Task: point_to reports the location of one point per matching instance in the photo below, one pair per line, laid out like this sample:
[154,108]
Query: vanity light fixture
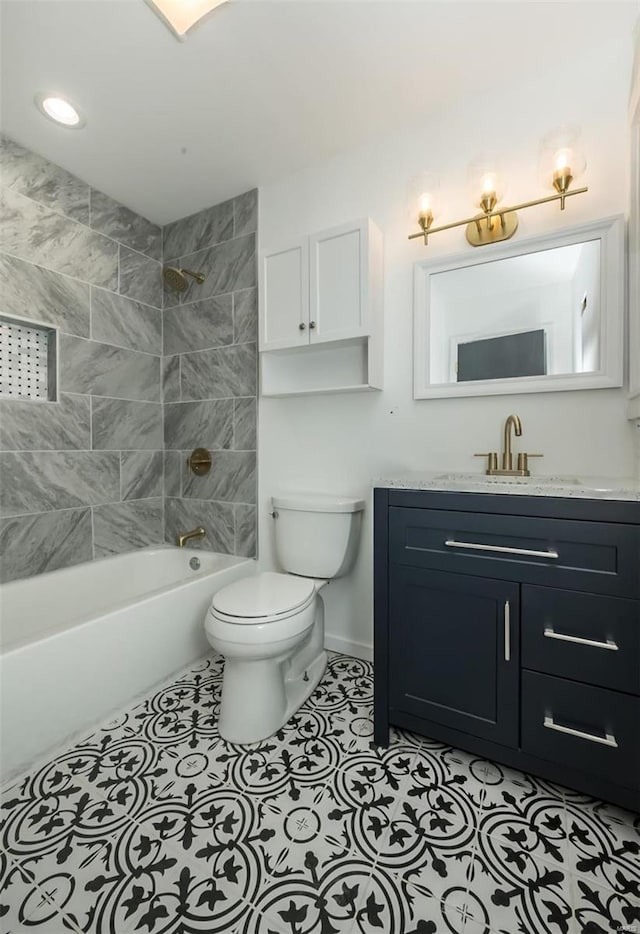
[60,110]
[181,15]
[561,163]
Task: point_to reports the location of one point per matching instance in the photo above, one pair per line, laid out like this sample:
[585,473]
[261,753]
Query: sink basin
[467,478]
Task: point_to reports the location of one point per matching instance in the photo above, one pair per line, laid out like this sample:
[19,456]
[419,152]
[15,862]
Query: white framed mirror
[540,315]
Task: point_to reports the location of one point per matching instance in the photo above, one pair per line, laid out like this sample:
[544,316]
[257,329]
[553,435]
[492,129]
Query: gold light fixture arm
[502,213]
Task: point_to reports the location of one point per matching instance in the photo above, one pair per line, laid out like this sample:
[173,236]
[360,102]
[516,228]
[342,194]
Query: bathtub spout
[181,540]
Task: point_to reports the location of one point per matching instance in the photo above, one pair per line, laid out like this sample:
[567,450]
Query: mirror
[542,315]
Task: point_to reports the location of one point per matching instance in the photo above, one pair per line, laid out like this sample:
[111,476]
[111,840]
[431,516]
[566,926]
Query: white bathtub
[77,643]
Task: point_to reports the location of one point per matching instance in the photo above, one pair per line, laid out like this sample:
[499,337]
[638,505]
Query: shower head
[176,278]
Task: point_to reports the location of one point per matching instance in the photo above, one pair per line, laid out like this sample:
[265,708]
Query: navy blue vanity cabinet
[510,626]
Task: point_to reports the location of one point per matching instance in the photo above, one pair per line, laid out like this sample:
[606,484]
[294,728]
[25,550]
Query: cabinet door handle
[312,325]
[607,740]
[302,326]
[609,644]
[507,631]
[475,546]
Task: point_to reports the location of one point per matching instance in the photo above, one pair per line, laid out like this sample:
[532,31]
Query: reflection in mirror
[531,315]
[536,316]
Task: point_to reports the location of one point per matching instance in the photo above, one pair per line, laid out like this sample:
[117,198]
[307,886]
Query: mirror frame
[611,233]
[634,239]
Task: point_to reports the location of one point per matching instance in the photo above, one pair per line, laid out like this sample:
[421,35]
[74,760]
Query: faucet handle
[523,461]
[492,460]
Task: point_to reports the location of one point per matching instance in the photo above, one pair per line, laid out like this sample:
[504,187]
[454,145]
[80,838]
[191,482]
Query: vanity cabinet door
[454,651]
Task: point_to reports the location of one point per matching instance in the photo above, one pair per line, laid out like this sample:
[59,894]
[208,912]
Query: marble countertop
[568,487]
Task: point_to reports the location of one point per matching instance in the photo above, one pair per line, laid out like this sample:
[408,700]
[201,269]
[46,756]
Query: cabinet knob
[302,326]
[312,325]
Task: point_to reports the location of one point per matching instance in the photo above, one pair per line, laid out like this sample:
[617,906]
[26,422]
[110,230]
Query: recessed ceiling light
[60,110]
[181,15]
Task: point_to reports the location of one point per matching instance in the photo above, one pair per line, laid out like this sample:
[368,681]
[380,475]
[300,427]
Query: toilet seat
[262,599]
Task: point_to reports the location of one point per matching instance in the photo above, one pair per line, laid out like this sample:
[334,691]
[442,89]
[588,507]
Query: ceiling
[262,88]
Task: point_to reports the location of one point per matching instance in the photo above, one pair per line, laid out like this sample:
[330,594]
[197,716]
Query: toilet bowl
[270,627]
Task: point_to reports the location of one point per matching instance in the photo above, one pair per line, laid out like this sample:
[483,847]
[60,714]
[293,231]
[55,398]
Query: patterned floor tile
[599,910]
[515,892]
[322,892]
[152,823]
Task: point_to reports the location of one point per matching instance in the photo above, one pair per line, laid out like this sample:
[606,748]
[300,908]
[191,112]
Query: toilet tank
[316,535]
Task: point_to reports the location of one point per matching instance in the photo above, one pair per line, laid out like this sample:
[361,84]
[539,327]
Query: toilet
[270,627]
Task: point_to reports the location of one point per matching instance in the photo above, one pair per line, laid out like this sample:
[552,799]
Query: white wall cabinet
[321,312]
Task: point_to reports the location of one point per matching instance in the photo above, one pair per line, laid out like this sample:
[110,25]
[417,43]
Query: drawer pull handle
[507,631]
[609,644]
[451,543]
[607,740]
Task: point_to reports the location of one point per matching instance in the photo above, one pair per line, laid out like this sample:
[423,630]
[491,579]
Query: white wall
[341,443]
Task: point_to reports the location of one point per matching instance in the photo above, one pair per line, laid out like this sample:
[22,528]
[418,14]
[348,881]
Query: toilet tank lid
[317,502]
[266,594]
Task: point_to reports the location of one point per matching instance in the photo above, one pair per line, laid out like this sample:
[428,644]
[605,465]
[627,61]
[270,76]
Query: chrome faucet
[182,539]
[507,469]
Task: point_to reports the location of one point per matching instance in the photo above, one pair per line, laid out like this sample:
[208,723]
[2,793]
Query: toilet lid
[266,594]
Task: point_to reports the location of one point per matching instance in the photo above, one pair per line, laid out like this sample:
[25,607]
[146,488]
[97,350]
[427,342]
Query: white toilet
[270,627]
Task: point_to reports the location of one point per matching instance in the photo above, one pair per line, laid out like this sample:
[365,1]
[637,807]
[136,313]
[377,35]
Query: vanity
[507,623]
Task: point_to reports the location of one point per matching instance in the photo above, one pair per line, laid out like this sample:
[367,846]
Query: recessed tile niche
[28,355]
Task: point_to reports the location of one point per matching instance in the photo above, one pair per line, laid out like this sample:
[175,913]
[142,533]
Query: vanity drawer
[586,637]
[582,727]
[596,557]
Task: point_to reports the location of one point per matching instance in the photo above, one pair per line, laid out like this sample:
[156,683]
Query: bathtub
[78,643]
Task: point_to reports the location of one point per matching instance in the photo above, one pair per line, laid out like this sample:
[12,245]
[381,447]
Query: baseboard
[355,649]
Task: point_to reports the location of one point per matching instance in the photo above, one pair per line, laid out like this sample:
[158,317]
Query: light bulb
[423,198]
[562,160]
[485,181]
[60,111]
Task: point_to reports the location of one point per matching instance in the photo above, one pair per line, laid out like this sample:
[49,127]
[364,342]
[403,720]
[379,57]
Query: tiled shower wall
[83,477]
[210,374]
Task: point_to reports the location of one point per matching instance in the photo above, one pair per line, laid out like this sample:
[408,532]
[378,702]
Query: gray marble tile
[32,482]
[189,425]
[140,277]
[171,379]
[228,267]
[40,426]
[245,316]
[28,291]
[34,544]
[118,425]
[173,472]
[246,540]
[181,515]
[141,474]
[37,234]
[245,213]
[105,370]
[232,479]
[214,374]
[119,320]
[245,424]
[125,526]
[199,325]
[198,231]
[119,222]
[37,178]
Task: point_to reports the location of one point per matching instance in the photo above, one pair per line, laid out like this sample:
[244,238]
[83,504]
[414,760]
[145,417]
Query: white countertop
[567,487]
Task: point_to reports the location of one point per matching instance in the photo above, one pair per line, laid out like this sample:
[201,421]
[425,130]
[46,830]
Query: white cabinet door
[634,239]
[339,283]
[284,297]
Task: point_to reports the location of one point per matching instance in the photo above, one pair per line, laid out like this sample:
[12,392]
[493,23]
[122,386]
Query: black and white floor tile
[155,824]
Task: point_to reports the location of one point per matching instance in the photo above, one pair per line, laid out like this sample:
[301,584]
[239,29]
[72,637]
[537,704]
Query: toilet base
[252,717]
